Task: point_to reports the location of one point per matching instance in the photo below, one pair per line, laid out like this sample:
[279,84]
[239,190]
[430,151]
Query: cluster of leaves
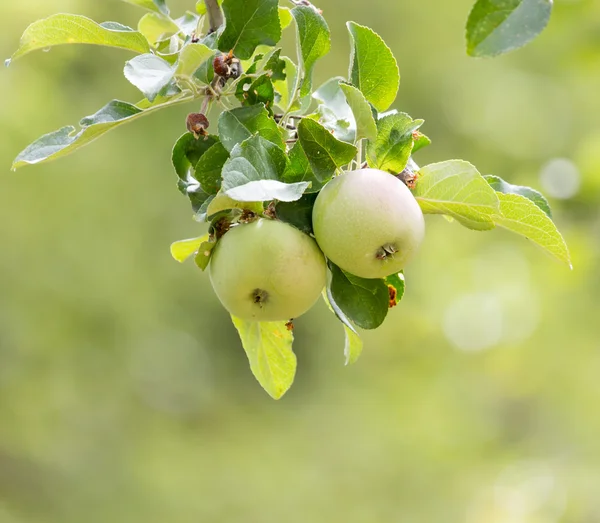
[278,141]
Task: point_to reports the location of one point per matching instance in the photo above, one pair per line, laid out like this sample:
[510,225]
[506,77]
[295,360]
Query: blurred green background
[125,395]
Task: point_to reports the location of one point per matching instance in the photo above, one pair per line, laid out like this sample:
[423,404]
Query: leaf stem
[215,15]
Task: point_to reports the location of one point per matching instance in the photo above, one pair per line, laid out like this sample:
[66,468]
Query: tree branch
[215,15]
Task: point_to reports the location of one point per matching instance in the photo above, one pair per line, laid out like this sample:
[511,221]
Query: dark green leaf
[74,29]
[499,26]
[393,146]
[249,23]
[373,68]
[253,172]
[199,199]
[206,73]
[158,6]
[209,167]
[67,140]
[299,170]
[313,39]
[298,213]
[269,350]
[363,114]
[276,66]
[499,185]
[325,153]
[149,73]
[521,215]
[241,123]
[398,283]
[260,90]
[455,188]
[187,152]
[353,345]
[364,302]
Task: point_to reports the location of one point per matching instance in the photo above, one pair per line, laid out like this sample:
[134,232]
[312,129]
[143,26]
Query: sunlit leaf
[313,39]
[269,350]
[158,6]
[499,185]
[373,68]
[184,249]
[241,123]
[519,214]
[394,143]
[363,115]
[149,73]
[64,29]
[455,188]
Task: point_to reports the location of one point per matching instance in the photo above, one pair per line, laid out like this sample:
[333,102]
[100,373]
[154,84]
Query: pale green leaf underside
[455,188]
[499,26]
[192,56]
[522,216]
[67,140]
[269,350]
[184,249]
[63,29]
[373,68]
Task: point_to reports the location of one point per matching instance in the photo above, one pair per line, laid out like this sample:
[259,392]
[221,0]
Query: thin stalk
[215,15]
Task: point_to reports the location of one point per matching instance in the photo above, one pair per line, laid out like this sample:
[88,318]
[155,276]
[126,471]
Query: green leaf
[188,23]
[499,185]
[334,112]
[325,153]
[158,6]
[209,167]
[298,213]
[187,152]
[192,56]
[455,188]
[260,90]
[393,146]
[249,23]
[285,17]
[275,65]
[253,172]
[241,123]
[74,29]
[203,255]
[183,249]
[299,170]
[519,214]
[364,302]
[285,88]
[149,73]
[156,27]
[373,68]
[363,115]
[67,140]
[269,350]
[222,202]
[498,26]
[420,141]
[398,282]
[353,345]
[314,41]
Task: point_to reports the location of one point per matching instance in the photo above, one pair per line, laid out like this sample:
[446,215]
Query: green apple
[368,223]
[267,271]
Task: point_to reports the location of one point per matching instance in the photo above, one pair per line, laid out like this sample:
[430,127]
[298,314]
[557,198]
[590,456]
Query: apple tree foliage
[279,139]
